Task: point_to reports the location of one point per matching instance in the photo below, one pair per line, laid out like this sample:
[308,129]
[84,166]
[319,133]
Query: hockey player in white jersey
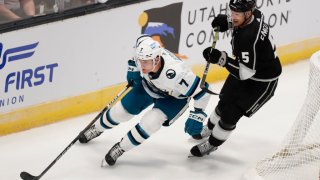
[160,79]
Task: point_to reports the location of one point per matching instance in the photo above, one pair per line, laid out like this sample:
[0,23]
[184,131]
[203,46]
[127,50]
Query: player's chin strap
[205,73]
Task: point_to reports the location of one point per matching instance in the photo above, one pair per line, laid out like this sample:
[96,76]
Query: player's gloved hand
[215,56]
[133,74]
[194,124]
[222,22]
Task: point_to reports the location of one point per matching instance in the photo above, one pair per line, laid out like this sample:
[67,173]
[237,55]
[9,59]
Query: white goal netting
[298,158]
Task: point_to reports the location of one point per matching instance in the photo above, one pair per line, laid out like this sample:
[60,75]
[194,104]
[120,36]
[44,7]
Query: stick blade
[26,176]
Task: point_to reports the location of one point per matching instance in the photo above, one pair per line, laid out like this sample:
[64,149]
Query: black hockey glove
[222,22]
[133,74]
[215,56]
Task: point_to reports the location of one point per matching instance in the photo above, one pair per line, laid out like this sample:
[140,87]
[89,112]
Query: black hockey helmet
[242,5]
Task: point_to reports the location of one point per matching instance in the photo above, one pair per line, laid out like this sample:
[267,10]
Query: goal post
[298,157]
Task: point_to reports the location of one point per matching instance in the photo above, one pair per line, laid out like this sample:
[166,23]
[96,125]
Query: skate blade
[104,163]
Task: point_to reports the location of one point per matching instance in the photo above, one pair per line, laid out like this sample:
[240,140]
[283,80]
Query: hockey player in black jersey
[253,74]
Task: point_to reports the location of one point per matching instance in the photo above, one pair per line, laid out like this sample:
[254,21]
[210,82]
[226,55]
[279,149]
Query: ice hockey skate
[114,153]
[90,134]
[204,148]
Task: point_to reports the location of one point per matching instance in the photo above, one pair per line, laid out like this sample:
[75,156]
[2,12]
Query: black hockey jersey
[254,51]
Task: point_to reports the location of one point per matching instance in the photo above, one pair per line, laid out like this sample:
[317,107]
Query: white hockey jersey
[175,79]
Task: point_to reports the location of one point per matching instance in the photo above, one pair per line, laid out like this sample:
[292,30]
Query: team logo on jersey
[170,74]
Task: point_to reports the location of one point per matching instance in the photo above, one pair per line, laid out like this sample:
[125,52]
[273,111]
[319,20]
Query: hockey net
[298,158]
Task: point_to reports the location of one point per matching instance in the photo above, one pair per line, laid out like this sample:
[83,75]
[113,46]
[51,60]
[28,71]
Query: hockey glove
[133,74]
[215,56]
[222,22]
[194,124]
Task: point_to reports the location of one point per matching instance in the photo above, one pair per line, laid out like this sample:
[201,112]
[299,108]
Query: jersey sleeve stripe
[193,87]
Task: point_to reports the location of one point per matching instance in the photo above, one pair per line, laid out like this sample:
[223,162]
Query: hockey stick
[26,176]
[205,73]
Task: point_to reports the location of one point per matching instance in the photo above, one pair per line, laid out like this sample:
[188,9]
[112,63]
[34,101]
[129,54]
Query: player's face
[238,18]
[146,66]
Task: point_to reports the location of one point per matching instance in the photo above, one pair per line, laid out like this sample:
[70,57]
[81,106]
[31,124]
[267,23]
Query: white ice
[164,155]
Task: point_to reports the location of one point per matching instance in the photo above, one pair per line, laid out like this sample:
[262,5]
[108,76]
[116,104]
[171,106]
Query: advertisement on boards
[23,73]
